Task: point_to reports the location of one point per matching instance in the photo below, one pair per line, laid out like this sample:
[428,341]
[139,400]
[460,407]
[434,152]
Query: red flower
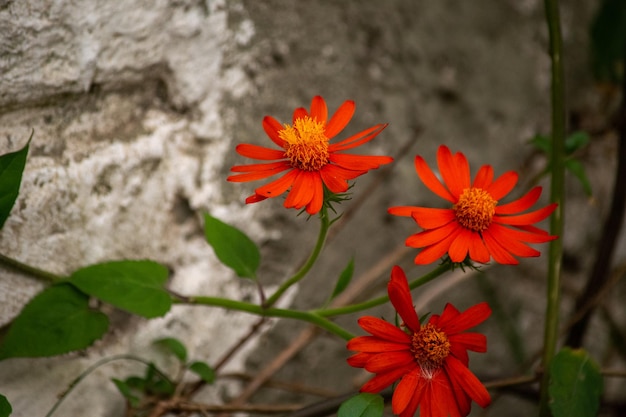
[476,224]
[430,360]
[307,155]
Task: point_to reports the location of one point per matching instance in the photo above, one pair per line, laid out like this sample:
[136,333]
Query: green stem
[329,312]
[29,270]
[557,195]
[324,226]
[310,317]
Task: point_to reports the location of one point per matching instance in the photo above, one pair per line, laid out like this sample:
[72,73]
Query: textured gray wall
[137,107]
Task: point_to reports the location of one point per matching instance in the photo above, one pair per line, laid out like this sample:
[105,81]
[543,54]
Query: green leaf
[57,320]
[204,371]
[542,143]
[344,279]
[11,169]
[5,407]
[576,141]
[232,247]
[134,286]
[127,392]
[173,346]
[575,384]
[575,167]
[362,405]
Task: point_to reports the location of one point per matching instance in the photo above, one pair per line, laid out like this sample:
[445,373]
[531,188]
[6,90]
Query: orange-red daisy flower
[476,224]
[307,155]
[430,360]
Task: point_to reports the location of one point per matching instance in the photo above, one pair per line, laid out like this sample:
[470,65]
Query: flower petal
[406,211]
[476,342]
[257,175]
[317,200]
[497,251]
[456,323]
[340,119]
[459,248]
[301,192]
[383,380]
[272,127]
[400,296]
[433,252]
[430,180]
[527,218]
[454,169]
[259,152]
[279,186]
[484,177]
[358,139]
[502,185]
[508,241]
[358,360]
[384,330]
[477,250]
[433,236]
[386,361]
[374,344]
[521,204]
[432,218]
[299,113]
[260,167]
[334,178]
[359,162]
[467,381]
[319,110]
[405,390]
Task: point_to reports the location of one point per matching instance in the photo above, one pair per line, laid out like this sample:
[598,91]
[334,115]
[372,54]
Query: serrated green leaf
[57,320]
[11,169]
[232,247]
[127,392]
[576,168]
[173,346]
[362,405]
[344,279]
[134,286]
[576,141]
[204,371]
[575,384]
[5,407]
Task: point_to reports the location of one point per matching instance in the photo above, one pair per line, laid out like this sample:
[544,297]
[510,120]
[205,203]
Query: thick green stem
[330,312]
[29,270]
[324,226]
[557,195]
[310,317]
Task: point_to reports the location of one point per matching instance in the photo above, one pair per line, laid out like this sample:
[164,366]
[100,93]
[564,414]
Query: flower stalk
[557,195]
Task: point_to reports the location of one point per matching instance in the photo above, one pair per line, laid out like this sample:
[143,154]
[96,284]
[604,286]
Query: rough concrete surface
[137,106]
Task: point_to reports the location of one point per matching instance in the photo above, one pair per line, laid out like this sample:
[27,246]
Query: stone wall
[137,105]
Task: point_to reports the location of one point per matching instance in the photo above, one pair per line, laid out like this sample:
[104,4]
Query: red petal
[499,253]
[476,342]
[459,248]
[260,167]
[358,139]
[416,399]
[471,317]
[259,152]
[359,162]
[454,169]
[358,360]
[301,192]
[467,381]
[430,180]
[299,113]
[523,236]
[400,296]
[279,186]
[442,397]
[406,211]
[319,110]
[477,250]
[484,176]
[432,218]
[374,344]
[383,380]
[315,205]
[433,236]
[255,198]
[433,252]
[272,127]
[503,185]
[528,218]
[383,329]
[386,361]
[521,204]
[334,178]
[506,238]
[340,119]
[405,391]
[258,175]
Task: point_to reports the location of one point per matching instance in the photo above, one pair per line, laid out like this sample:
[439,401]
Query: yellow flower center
[306,145]
[475,209]
[430,346]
